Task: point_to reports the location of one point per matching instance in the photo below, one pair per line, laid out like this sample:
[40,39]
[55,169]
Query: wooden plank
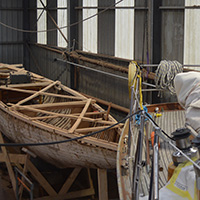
[29,85]
[71,195]
[76,124]
[94,113]
[14,158]
[115,106]
[8,165]
[75,93]
[55,115]
[38,176]
[91,129]
[75,114]
[102,184]
[12,66]
[66,116]
[66,186]
[37,93]
[59,105]
[164,107]
[41,93]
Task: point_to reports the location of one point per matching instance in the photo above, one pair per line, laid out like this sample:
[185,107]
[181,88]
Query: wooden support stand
[23,163]
[102,184]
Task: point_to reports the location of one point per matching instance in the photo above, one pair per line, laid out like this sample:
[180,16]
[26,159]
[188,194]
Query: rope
[166,73]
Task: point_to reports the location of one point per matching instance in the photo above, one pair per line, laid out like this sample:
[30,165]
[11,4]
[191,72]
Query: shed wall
[11,42]
[191,36]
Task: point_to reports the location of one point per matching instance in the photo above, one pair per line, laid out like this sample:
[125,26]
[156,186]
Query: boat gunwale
[61,132]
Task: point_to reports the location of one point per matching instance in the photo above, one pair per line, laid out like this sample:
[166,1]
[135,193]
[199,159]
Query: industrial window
[62,21]
[124,30]
[41,22]
[90,26]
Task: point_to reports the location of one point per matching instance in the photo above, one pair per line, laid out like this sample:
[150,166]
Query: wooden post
[23,162]
[8,165]
[102,184]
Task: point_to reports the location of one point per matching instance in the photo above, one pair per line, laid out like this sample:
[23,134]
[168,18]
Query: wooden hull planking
[35,124]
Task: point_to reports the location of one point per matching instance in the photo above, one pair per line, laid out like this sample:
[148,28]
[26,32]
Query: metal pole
[156,164]
[130,119]
[138,165]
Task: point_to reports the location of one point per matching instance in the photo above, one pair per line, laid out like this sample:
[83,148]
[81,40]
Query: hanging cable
[55,29]
[69,140]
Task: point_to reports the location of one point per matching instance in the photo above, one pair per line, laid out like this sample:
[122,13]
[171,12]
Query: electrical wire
[73,24]
[68,140]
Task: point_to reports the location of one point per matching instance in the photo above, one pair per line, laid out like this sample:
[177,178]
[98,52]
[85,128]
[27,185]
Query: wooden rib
[75,93]
[4,74]
[29,85]
[62,115]
[62,132]
[41,93]
[81,115]
[59,115]
[14,66]
[98,120]
[37,93]
[92,113]
[91,129]
[51,105]
[78,121]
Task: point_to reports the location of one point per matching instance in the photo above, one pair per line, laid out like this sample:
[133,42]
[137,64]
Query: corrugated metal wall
[121,32]
[106,29]
[141,31]
[49,68]
[172,29]
[104,86]
[11,42]
[191,36]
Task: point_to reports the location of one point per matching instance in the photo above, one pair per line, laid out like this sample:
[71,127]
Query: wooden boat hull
[123,170]
[24,122]
[70,154]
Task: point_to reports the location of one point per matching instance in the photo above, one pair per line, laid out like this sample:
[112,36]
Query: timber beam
[23,163]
